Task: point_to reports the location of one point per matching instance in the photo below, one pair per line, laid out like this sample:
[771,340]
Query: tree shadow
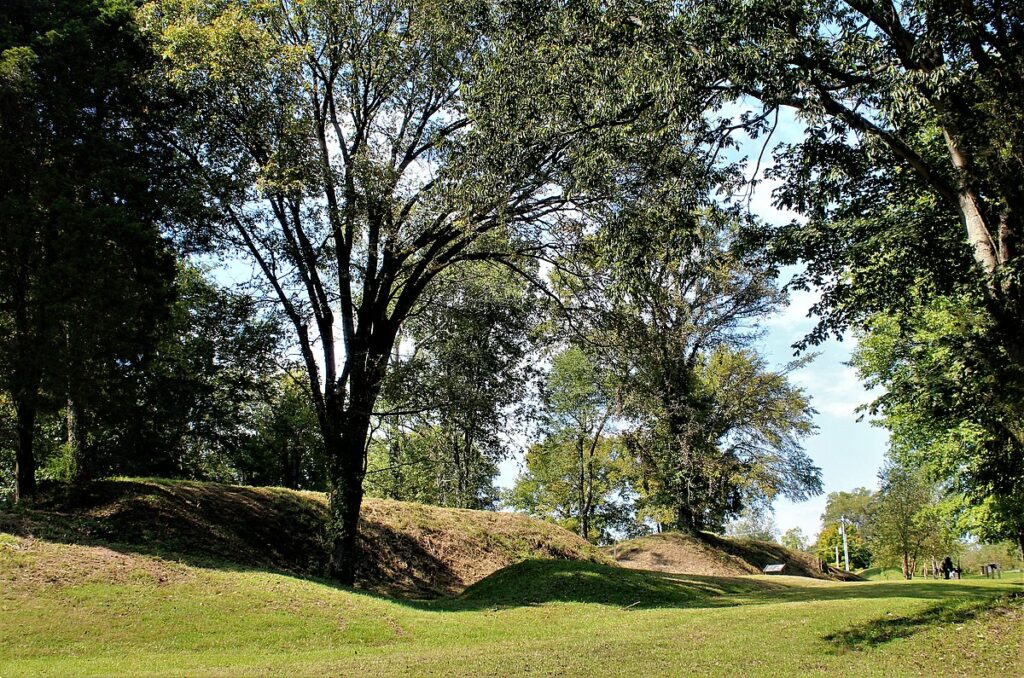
[944,590]
[946,613]
[537,582]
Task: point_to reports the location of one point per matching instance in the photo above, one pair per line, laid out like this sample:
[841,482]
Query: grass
[73,609]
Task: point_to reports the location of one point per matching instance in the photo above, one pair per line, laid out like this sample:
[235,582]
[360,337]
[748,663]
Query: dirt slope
[408,549]
[709,554]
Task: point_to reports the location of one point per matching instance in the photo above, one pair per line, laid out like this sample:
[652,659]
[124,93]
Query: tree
[357,150]
[855,506]
[714,428]
[830,539]
[795,539]
[85,189]
[931,87]
[906,522]
[196,401]
[908,172]
[459,377]
[754,523]
[574,475]
[416,463]
[284,447]
[948,411]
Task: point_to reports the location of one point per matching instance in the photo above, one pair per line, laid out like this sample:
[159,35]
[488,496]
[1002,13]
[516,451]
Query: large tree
[908,172]
[905,521]
[854,505]
[358,149]
[196,407]
[946,407]
[930,88]
[577,474]
[458,378]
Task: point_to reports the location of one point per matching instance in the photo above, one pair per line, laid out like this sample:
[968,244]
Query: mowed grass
[68,609]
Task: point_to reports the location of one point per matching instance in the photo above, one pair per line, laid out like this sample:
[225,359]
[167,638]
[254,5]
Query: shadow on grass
[945,613]
[535,582]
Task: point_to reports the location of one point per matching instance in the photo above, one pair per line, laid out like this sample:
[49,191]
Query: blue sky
[849,452]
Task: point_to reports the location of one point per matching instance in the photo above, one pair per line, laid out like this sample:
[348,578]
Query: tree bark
[584,519]
[346,434]
[978,234]
[346,498]
[24,460]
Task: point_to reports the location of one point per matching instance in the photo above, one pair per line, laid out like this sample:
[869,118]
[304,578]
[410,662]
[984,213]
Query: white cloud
[835,391]
[793,318]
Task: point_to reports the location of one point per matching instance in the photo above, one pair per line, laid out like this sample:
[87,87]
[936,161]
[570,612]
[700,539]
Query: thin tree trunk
[24,460]
[584,522]
[77,444]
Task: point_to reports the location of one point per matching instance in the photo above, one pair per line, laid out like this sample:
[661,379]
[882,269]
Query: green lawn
[81,610]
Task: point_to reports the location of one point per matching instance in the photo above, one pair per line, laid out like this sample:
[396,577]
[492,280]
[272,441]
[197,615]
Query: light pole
[846,550]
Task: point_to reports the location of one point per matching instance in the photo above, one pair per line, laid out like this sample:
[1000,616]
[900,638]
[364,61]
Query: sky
[849,451]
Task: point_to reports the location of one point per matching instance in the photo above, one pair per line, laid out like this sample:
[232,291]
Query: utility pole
[846,550]
[837,556]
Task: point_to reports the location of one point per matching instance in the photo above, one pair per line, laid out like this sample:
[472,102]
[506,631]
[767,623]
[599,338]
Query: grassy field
[67,609]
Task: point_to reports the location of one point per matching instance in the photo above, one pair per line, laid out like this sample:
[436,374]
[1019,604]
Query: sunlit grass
[132,614]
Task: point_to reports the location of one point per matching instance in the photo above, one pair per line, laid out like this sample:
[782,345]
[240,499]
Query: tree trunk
[686,521]
[71,428]
[581,488]
[24,460]
[457,463]
[290,462]
[346,498]
[83,467]
[345,439]
[978,234]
